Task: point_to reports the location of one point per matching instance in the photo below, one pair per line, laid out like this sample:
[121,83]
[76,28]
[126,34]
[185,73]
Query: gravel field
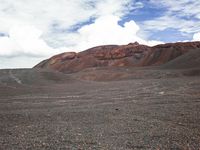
[113,115]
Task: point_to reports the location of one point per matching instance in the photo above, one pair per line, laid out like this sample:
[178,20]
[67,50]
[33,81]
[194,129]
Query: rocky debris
[126,115]
[133,54]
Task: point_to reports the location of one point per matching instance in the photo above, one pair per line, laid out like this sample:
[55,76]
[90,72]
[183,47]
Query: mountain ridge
[131,55]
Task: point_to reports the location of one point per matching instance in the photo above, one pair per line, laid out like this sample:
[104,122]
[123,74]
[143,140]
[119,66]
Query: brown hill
[133,54]
[188,60]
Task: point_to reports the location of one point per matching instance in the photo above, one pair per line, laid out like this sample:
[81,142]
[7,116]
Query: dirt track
[131,114]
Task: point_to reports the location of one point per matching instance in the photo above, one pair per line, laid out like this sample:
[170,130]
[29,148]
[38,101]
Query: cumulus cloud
[35,30]
[64,13]
[106,30]
[196,37]
[25,40]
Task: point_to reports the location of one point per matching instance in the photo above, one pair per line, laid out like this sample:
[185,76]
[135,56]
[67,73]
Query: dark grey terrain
[144,109]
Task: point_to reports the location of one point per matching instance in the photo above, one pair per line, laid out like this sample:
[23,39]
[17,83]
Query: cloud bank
[35,30]
[31,31]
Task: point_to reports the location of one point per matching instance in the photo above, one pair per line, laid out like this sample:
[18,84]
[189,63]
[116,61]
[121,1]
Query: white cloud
[19,62]
[26,47]
[184,16]
[65,13]
[54,18]
[39,29]
[24,40]
[196,37]
[106,30]
[183,8]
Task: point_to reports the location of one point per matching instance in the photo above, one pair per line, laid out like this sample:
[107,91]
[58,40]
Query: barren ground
[152,113]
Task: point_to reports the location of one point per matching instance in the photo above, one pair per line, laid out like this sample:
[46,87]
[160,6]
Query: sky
[34,30]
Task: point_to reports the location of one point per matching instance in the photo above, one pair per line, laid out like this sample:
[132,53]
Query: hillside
[131,55]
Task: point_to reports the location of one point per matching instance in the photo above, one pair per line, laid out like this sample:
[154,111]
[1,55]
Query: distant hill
[131,55]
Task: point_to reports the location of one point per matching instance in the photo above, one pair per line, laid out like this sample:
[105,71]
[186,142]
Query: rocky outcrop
[133,54]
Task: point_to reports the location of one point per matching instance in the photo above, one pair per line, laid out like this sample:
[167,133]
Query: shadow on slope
[189,63]
[32,77]
[186,61]
[22,81]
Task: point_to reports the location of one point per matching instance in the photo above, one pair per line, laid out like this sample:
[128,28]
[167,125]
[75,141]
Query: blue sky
[35,30]
[152,11]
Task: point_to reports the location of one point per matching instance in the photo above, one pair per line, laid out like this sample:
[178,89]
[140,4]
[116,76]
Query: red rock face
[133,54]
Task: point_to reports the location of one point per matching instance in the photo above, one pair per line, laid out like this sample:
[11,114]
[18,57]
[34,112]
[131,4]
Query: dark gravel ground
[117,115]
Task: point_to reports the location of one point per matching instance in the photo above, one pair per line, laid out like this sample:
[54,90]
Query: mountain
[188,60]
[131,55]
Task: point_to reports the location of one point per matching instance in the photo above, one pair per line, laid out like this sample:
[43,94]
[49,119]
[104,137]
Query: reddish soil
[133,54]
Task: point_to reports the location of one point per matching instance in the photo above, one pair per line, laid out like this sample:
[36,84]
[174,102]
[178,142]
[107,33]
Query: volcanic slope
[21,81]
[186,61]
[131,55]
